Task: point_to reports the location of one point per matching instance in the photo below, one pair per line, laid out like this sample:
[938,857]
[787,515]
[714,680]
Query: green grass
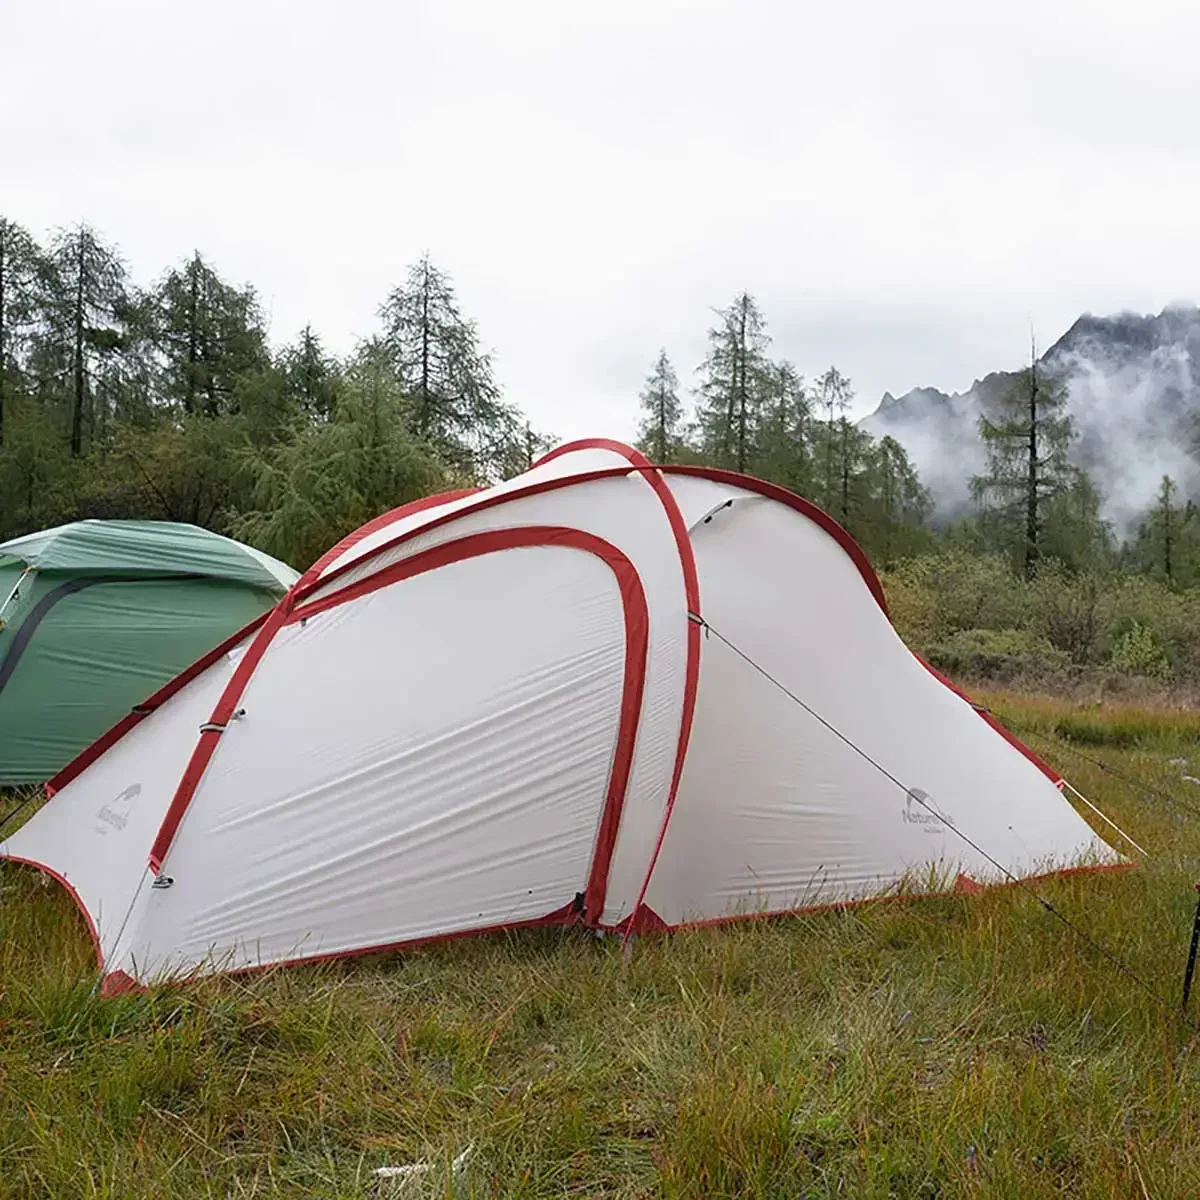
[962,1046]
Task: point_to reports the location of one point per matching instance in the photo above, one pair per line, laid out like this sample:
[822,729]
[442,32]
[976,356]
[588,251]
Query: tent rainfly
[95,615]
[574,697]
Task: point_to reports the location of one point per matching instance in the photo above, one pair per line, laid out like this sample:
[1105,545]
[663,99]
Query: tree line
[758,415]
[167,401]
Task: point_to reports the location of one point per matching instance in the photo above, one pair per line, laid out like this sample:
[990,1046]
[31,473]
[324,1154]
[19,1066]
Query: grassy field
[965,1046]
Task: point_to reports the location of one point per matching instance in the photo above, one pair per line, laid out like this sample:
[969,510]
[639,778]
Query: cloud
[907,188]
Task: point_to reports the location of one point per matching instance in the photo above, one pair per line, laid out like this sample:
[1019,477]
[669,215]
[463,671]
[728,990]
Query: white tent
[600,692]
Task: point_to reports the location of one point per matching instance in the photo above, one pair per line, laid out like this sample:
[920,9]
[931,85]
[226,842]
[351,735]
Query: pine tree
[84,303]
[782,453]
[838,446]
[890,520]
[209,333]
[659,434]
[311,490]
[18,299]
[455,403]
[732,384]
[310,375]
[1167,540]
[1027,449]
[522,450]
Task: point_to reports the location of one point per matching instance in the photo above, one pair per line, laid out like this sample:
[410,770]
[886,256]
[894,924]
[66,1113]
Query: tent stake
[1191,962]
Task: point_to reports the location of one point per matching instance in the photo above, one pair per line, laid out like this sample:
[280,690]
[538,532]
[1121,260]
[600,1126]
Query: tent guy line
[1080,796]
[1112,958]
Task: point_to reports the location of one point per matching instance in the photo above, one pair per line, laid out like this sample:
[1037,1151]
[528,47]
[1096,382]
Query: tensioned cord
[1112,958]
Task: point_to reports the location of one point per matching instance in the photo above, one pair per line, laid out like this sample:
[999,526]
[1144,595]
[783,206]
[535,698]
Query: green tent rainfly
[97,615]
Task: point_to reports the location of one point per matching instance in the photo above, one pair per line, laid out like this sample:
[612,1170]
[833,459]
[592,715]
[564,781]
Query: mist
[1133,392]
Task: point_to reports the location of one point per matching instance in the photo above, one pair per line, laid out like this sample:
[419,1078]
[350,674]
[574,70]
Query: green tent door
[77,653]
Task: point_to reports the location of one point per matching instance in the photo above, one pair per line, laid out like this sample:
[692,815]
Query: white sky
[904,186]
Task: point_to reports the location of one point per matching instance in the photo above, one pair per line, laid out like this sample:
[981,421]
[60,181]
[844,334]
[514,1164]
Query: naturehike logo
[116,812]
[919,809]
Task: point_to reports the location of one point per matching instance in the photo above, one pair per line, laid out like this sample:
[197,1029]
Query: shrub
[1138,652]
[1067,611]
[938,595]
[997,654]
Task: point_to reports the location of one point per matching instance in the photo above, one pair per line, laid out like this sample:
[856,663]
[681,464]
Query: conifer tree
[782,452]
[455,403]
[18,301]
[1166,543]
[84,306]
[209,333]
[660,431]
[837,450]
[731,385]
[1027,446]
[310,375]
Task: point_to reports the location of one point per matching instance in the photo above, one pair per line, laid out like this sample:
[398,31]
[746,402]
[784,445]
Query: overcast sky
[905,187]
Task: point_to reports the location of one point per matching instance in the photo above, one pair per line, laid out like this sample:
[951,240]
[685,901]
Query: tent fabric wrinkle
[504,708]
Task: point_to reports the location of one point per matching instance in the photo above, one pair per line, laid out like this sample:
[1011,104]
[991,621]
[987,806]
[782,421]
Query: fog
[1133,394]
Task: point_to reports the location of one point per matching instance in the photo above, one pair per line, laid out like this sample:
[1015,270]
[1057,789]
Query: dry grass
[964,1046]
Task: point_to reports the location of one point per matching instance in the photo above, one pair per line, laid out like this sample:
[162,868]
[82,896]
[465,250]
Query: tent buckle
[163,882]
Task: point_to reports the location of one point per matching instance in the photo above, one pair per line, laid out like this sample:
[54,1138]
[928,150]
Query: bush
[971,614]
[999,655]
[1066,610]
[938,595]
[1137,652]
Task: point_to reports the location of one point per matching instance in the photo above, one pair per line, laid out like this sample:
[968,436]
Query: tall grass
[959,1046]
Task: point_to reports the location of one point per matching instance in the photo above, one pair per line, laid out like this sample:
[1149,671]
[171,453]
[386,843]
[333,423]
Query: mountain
[1133,386]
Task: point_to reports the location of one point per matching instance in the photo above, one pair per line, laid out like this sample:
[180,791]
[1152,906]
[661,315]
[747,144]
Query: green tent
[97,615]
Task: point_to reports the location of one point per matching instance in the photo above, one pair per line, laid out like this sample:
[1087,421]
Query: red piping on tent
[1046,769]
[691,585]
[130,720]
[637,641]
[380,522]
[75,896]
[962,885]
[637,626]
[118,983]
[854,550]
[86,757]
[224,709]
[115,983]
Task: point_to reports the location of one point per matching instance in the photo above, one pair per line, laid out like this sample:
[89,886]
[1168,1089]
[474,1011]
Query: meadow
[968,1045]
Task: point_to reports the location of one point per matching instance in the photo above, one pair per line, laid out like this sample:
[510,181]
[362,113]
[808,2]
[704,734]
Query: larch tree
[1027,448]
[209,333]
[898,504]
[84,300]
[836,447]
[783,453]
[18,303]
[314,488]
[455,403]
[310,375]
[731,384]
[1166,542]
[660,431]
